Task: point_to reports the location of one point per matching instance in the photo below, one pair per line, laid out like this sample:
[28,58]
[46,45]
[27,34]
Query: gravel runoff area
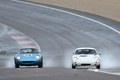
[106,8]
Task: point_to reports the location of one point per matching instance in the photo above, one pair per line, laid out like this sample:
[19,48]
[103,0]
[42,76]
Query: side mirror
[39,52]
[73,53]
[99,54]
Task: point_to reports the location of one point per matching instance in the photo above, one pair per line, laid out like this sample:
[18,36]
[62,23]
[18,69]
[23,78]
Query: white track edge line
[69,13]
[104,72]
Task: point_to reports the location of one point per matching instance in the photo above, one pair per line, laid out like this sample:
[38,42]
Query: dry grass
[106,8]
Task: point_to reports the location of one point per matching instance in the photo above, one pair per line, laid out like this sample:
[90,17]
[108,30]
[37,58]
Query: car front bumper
[87,63]
[28,63]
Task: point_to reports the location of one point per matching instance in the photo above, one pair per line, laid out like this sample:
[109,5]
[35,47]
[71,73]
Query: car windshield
[85,51]
[28,50]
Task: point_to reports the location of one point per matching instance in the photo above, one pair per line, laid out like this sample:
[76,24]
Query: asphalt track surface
[58,34]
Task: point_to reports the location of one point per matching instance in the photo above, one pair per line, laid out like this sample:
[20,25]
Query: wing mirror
[39,52]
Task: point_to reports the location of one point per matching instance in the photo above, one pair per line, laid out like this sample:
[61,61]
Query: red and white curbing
[23,40]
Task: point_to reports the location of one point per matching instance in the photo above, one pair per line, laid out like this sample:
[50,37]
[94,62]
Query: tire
[17,66]
[41,64]
[98,67]
[73,67]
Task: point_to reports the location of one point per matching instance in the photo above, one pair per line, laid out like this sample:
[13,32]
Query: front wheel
[17,66]
[73,67]
[98,67]
[41,64]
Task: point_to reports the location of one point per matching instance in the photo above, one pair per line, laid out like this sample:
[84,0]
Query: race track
[59,32]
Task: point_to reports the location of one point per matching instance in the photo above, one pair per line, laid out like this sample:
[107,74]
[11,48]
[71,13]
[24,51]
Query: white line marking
[25,42]
[69,13]
[104,72]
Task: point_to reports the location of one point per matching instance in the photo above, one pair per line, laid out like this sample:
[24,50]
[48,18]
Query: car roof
[86,48]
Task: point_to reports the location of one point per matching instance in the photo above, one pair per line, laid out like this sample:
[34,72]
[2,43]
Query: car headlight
[18,57]
[96,58]
[37,57]
[75,58]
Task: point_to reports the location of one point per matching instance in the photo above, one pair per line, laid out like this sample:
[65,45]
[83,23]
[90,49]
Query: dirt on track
[105,8]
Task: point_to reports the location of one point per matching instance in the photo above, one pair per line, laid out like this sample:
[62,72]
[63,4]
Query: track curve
[59,34]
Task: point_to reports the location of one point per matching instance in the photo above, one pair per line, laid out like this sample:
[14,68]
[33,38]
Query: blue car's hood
[28,56]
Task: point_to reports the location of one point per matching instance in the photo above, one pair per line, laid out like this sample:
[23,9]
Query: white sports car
[86,57]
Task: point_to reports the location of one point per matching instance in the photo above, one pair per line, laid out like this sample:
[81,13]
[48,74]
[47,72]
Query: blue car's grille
[27,61]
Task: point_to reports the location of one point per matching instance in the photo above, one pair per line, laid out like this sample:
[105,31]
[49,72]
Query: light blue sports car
[28,57]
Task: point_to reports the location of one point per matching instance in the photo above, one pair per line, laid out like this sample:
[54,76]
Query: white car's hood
[84,55]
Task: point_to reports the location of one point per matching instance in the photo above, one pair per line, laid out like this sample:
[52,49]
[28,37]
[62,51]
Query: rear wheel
[17,66]
[98,67]
[73,67]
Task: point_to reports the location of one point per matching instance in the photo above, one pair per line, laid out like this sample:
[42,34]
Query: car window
[85,51]
[79,51]
[29,50]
